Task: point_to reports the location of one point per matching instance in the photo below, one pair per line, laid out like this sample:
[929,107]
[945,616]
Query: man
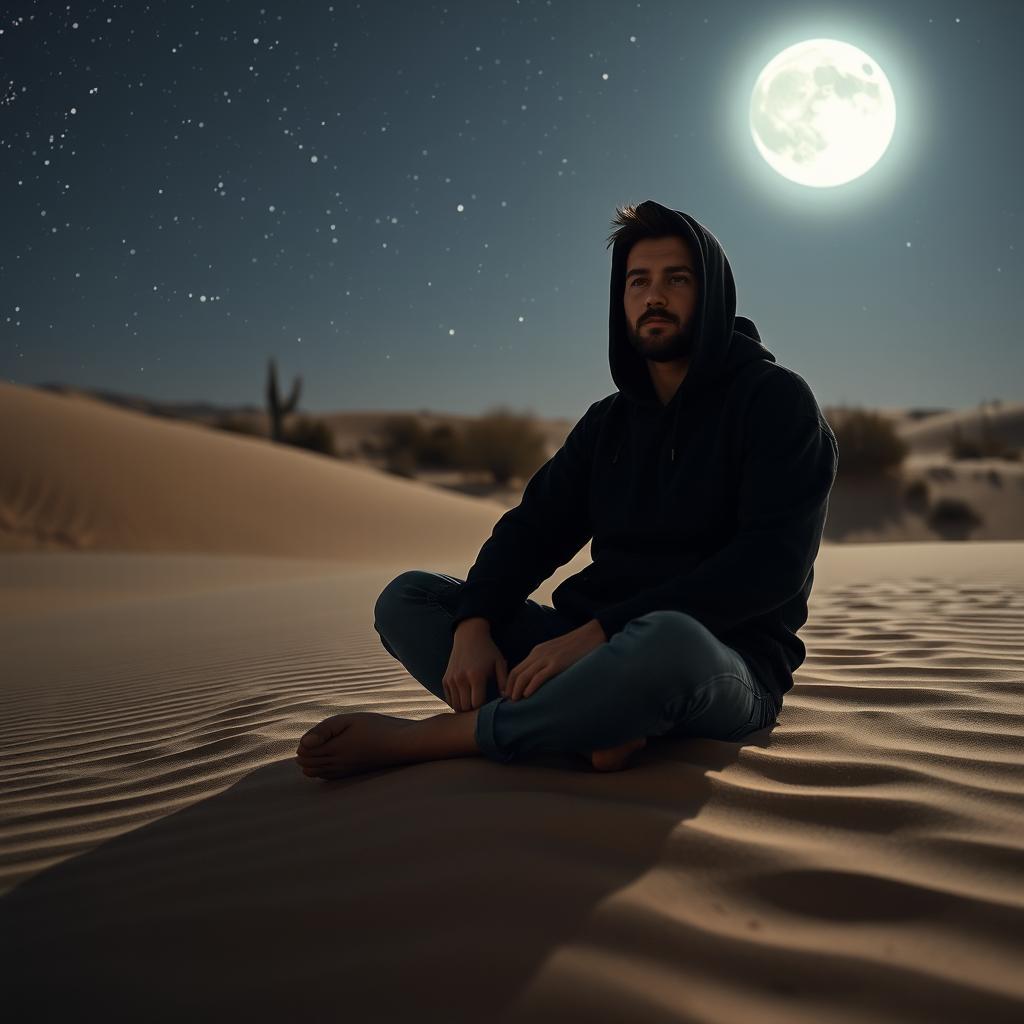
[703,484]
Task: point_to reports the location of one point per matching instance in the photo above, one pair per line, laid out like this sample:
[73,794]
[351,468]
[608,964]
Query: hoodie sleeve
[787,471]
[544,531]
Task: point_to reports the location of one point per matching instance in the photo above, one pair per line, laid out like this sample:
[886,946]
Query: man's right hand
[475,658]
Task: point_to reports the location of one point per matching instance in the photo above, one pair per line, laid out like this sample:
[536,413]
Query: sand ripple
[860,862]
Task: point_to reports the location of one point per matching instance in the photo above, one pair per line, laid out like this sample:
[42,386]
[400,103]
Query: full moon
[822,113]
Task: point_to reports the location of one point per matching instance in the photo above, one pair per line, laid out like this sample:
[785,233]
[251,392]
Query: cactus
[279,409]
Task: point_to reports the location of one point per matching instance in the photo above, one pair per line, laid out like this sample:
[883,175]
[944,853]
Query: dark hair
[632,225]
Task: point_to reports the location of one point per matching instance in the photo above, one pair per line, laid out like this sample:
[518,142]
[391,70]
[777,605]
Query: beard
[662,343]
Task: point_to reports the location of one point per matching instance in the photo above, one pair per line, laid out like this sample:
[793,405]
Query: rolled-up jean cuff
[485,732]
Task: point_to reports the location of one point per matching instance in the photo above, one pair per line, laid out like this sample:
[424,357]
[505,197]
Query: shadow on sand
[425,892]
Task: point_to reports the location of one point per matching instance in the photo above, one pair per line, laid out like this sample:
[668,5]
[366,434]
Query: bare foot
[348,744]
[613,758]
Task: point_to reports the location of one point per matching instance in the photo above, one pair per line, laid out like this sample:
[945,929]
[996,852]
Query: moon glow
[822,113]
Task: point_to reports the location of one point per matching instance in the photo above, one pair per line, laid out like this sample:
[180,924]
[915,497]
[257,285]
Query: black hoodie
[713,504]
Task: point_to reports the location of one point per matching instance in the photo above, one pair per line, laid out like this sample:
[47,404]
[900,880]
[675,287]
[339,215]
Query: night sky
[408,203]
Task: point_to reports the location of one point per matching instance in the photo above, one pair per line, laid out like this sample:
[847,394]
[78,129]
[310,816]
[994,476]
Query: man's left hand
[549,658]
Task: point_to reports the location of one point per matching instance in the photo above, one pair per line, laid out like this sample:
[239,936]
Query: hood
[723,342]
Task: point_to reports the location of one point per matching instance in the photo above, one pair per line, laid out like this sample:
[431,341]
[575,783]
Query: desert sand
[179,605]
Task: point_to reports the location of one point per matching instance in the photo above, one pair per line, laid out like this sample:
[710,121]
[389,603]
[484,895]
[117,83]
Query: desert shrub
[399,433]
[440,447]
[312,434]
[916,495]
[407,445]
[504,444]
[400,439]
[952,512]
[868,443]
[238,425]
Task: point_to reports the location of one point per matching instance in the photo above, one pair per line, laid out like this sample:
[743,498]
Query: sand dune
[164,857]
[931,434]
[84,475]
[81,474]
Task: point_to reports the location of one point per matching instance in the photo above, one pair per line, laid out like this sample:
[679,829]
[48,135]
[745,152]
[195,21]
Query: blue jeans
[663,674]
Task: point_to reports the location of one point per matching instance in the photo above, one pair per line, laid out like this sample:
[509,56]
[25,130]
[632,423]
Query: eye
[675,277]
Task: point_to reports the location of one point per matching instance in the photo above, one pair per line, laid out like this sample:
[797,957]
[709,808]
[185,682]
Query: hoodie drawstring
[675,426]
